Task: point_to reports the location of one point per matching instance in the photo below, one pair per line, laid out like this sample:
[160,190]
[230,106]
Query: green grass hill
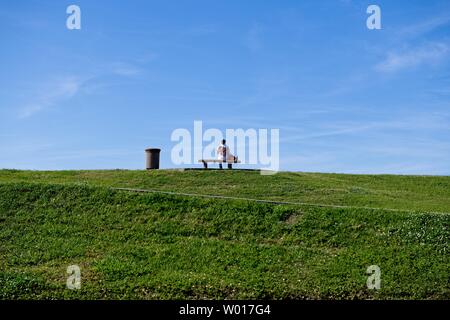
[132,245]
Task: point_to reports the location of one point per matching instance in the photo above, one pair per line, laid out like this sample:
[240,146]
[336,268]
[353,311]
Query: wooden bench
[229,162]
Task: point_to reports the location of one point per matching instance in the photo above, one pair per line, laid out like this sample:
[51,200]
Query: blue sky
[345,98]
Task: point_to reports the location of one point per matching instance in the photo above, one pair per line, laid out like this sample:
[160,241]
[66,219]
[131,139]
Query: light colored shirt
[223,152]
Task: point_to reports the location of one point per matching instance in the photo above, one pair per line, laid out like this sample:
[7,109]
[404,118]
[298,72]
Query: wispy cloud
[424,26]
[418,121]
[55,92]
[60,89]
[125,69]
[427,54]
[410,54]
[350,129]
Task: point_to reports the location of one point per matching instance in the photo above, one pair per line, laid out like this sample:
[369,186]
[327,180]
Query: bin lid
[152,149]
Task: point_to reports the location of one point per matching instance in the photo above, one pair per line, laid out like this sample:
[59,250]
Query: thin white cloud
[419,121]
[428,54]
[125,69]
[330,133]
[425,26]
[60,89]
[53,93]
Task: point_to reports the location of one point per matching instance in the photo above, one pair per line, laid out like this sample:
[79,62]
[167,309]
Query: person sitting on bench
[223,153]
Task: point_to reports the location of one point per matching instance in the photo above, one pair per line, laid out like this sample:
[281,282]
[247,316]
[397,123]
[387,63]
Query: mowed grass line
[276,202]
[153,246]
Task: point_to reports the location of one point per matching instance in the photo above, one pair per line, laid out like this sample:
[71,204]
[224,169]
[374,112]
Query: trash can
[152,158]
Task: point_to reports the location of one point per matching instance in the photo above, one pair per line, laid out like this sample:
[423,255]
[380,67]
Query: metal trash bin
[152,158]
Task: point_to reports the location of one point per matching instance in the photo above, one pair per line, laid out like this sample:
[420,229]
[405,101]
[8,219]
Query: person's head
[224,141]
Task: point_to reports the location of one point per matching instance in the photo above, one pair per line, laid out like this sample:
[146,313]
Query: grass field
[156,246]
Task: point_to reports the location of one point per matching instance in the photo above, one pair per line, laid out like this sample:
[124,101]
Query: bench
[229,162]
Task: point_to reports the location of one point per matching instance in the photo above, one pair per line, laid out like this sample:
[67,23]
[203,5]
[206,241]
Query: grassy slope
[156,246]
[419,193]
